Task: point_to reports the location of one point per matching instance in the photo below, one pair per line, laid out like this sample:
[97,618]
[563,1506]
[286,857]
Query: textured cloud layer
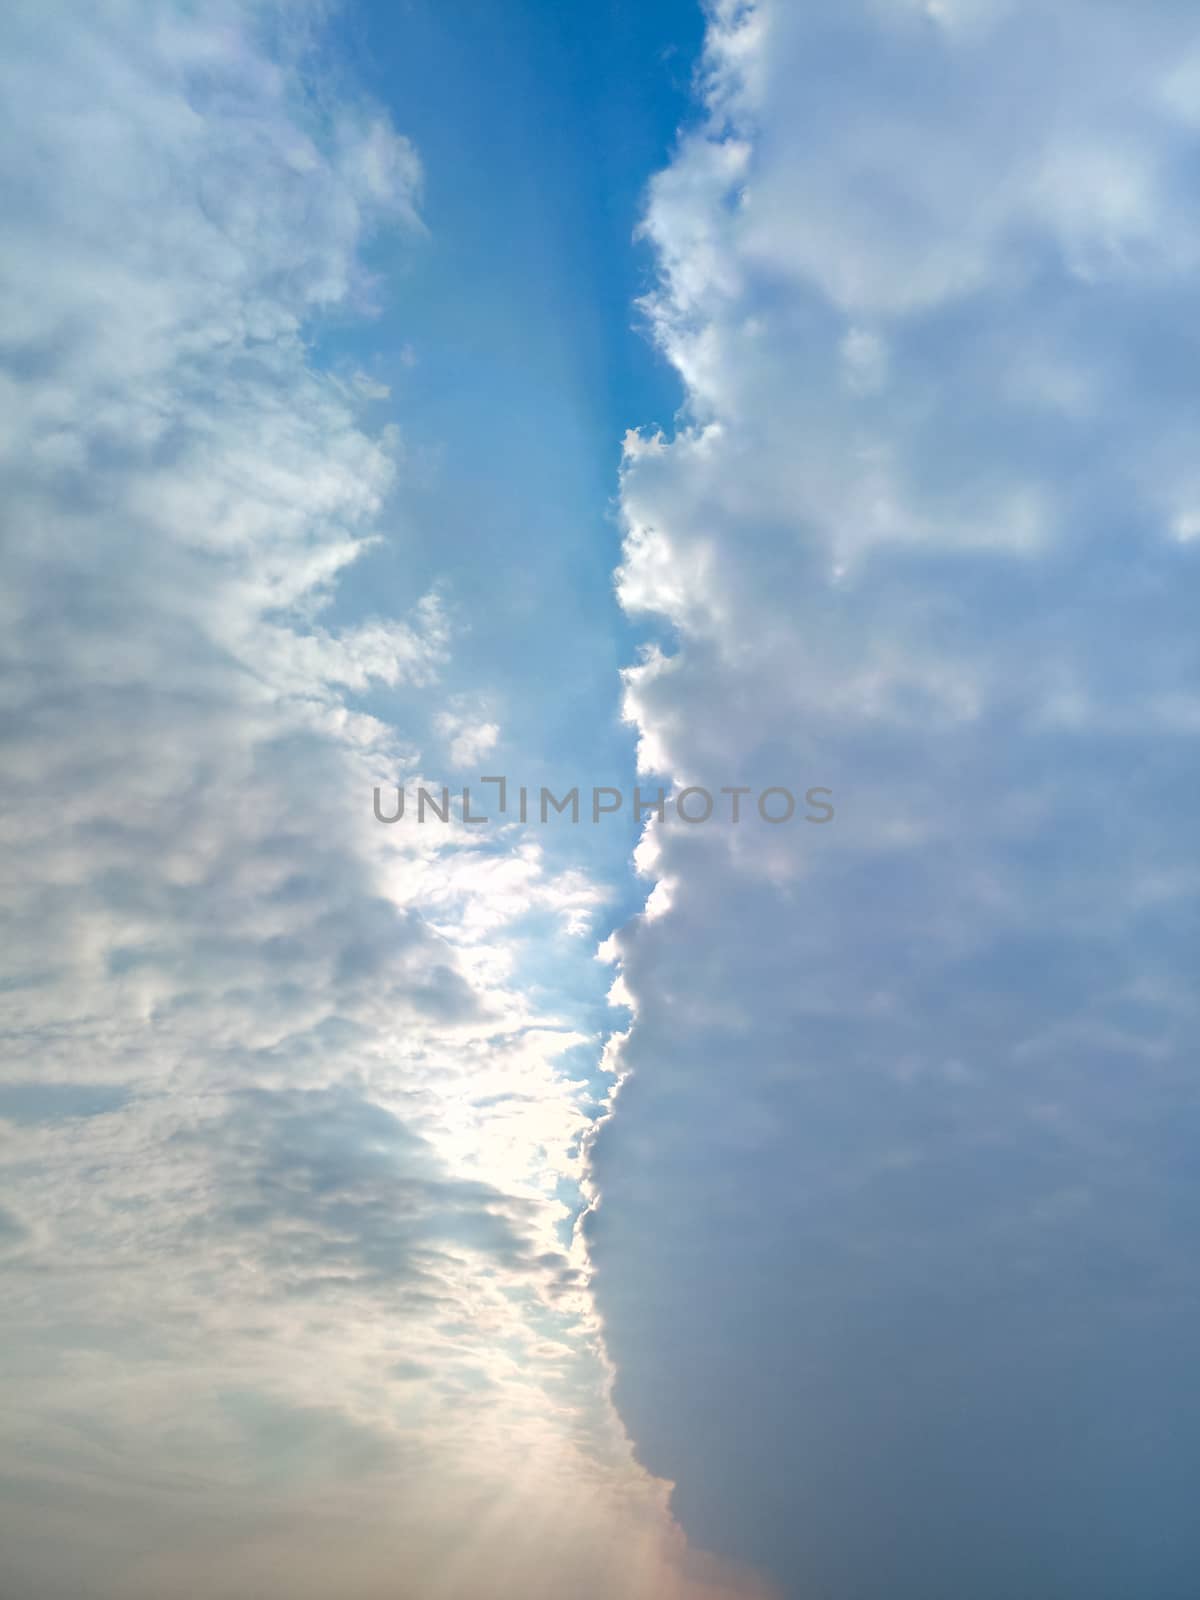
[913,1096]
[291,1300]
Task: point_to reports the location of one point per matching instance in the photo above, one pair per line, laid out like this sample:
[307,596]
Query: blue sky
[516,355]
[518,311]
[780,395]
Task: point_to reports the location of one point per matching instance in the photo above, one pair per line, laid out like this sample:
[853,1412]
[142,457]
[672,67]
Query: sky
[779,396]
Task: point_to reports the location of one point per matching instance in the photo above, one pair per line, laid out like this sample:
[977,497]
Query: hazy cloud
[912,1095]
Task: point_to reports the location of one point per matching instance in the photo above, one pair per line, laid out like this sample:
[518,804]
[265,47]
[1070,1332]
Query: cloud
[467,734]
[280,1131]
[908,1097]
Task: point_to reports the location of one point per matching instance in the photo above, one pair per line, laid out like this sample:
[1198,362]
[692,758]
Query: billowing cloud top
[913,1095]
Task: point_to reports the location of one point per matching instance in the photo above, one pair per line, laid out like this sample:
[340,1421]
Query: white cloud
[279,1127]
[906,1092]
[467,733]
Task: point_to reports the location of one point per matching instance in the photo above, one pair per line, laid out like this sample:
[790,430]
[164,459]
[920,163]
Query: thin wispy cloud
[290,1159]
